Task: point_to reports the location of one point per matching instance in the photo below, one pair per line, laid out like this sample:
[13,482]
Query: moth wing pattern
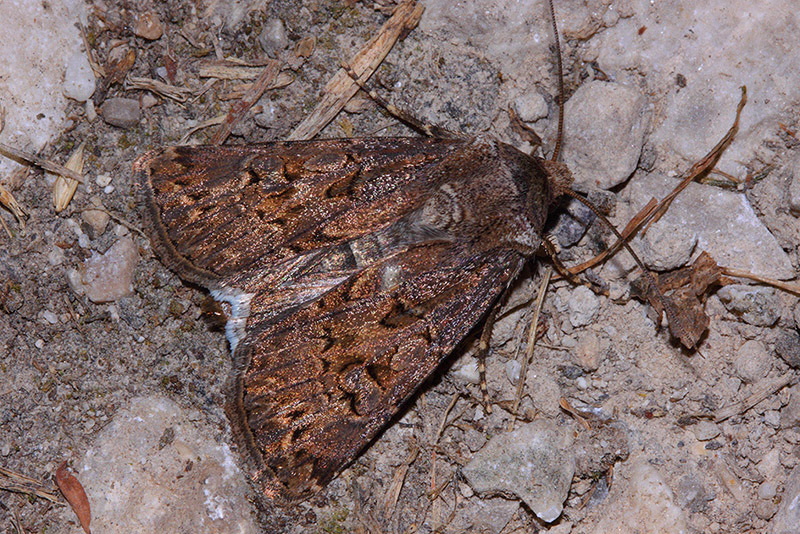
[316,386]
[347,288]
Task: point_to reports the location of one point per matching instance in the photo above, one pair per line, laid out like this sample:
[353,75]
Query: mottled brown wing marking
[318,384]
[216,209]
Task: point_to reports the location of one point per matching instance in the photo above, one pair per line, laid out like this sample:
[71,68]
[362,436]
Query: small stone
[5,450]
[794,188]
[107,277]
[513,368]
[55,256]
[797,315]
[668,245]
[590,351]
[39,343]
[148,26]
[752,361]
[79,82]
[530,107]
[121,112]
[534,463]
[273,37]
[788,348]
[758,306]
[705,430]
[691,494]
[103,180]
[767,490]
[765,509]
[607,115]
[725,223]
[50,317]
[583,306]
[96,217]
[790,414]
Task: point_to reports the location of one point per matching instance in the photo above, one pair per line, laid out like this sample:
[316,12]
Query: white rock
[583,306]
[79,82]
[606,123]
[107,277]
[752,361]
[135,474]
[535,463]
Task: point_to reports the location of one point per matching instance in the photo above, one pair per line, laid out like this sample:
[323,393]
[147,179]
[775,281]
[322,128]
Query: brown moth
[352,267]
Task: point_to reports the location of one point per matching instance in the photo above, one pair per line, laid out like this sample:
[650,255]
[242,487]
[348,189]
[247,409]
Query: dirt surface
[69,365]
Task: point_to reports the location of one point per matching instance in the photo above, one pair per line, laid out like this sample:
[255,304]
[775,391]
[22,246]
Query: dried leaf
[64,188]
[679,294]
[75,495]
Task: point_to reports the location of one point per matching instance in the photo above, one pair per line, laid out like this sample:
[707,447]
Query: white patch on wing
[240,311]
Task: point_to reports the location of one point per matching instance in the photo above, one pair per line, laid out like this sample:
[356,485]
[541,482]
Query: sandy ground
[76,377]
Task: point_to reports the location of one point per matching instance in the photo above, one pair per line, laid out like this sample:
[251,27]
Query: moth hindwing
[352,269]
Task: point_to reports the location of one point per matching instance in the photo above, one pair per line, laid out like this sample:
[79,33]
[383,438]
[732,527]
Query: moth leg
[431,130]
[551,248]
[483,349]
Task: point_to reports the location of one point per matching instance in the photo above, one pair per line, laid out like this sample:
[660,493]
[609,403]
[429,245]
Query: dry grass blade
[231,69]
[173,92]
[785,286]
[396,486]
[219,119]
[531,344]
[11,204]
[18,483]
[341,86]
[33,159]
[237,111]
[762,391]
[64,188]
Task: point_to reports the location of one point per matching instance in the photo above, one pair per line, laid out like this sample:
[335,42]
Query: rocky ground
[108,362]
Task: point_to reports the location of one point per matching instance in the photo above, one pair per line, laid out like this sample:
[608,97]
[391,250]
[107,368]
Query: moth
[352,268]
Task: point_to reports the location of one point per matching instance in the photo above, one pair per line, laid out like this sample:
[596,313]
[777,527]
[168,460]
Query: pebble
[590,351]
[752,361]
[96,219]
[148,26]
[583,306]
[767,489]
[39,343]
[121,112]
[705,430]
[50,317]
[107,277]
[103,180]
[797,315]
[513,368]
[790,414]
[668,245]
[691,493]
[466,370]
[788,348]
[79,83]
[125,472]
[530,107]
[534,462]
[794,188]
[607,122]
[273,37]
[758,306]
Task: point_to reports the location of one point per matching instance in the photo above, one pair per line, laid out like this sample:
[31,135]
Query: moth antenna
[406,117]
[560,69]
